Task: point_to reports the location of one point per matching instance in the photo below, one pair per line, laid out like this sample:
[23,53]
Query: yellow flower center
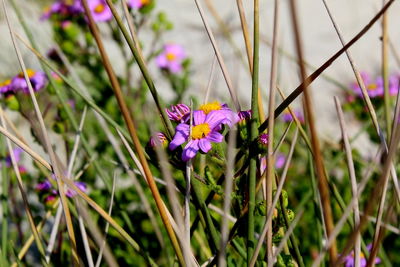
[30,73]
[99,8]
[145,2]
[372,86]
[170,56]
[200,131]
[207,108]
[6,82]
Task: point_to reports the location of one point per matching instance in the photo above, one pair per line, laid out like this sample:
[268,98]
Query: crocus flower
[38,80]
[349,260]
[231,117]
[158,139]
[374,88]
[204,131]
[137,4]
[178,113]
[100,10]
[171,58]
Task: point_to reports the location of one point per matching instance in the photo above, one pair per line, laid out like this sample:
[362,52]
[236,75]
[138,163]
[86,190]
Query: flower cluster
[207,126]
[171,58]
[18,83]
[99,9]
[349,259]
[71,8]
[375,87]
[51,194]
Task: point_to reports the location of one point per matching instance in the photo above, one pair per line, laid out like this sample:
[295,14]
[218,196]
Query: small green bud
[290,215]
[12,102]
[59,127]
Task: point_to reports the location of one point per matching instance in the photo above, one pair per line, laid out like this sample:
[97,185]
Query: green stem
[253,135]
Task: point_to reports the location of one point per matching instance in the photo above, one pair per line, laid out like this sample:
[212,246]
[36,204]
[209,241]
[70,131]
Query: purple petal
[204,145]
[190,150]
[199,117]
[181,135]
[214,118]
[215,137]
[161,61]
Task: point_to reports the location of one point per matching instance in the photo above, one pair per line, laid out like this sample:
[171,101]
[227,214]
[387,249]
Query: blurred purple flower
[374,88]
[394,84]
[63,7]
[287,116]
[280,161]
[158,139]
[5,87]
[17,155]
[44,186]
[178,113]
[171,58]
[38,80]
[263,139]
[349,260]
[81,185]
[204,131]
[137,4]
[100,10]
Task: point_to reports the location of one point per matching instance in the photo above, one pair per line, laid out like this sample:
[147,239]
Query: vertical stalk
[132,131]
[253,135]
[4,209]
[385,71]
[318,161]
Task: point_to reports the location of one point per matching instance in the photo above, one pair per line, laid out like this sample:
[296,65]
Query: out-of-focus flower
[38,80]
[137,4]
[17,155]
[158,139]
[100,10]
[64,8]
[349,260]
[171,58]
[287,116]
[394,84]
[178,113]
[263,139]
[204,131]
[81,185]
[374,88]
[230,116]
[5,87]
[279,162]
[44,186]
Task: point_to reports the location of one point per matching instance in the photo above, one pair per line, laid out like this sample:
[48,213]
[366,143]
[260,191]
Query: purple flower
[263,139]
[44,186]
[244,115]
[349,260]
[178,113]
[171,58]
[231,117]
[280,161]
[17,155]
[158,139]
[5,87]
[100,10]
[204,131]
[287,116]
[64,8]
[38,80]
[374,88]
[137,4]
[394,84]
[81,185]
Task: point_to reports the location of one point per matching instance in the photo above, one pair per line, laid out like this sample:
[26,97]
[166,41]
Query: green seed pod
[59,127]
[12,102]
[284,196]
